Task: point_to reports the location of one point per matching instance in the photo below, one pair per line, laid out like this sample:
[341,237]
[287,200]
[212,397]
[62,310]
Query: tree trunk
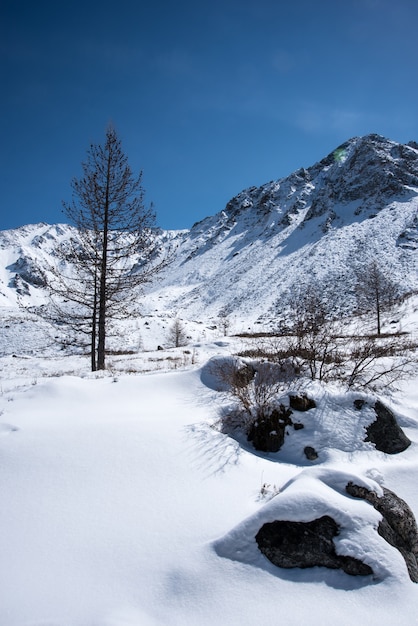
[378,311]
[93,346]
[94,328]
[101,346]
[102,307]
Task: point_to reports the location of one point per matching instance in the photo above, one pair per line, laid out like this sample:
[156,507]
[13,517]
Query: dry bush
[375,362]
[255,386]
[314,343]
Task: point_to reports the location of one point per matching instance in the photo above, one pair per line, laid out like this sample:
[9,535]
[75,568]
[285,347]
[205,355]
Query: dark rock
[21,286]
[398,526]
[310,453]
[359,403]
[298,426]
[267,433]
[243,375]
[301,403]
[29,272]
[306,544]
[385,432]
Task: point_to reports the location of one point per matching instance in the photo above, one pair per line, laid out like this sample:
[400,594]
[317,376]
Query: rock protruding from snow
[312,521]
[267,433]
[301,402]
[398,526]
[310,453]
[307,544]
[385,432]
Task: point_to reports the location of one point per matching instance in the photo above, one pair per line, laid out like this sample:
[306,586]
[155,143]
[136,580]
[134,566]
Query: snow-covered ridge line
[358,203]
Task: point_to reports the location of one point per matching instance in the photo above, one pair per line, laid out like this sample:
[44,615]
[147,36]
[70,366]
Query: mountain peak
[367,170]
[311,226]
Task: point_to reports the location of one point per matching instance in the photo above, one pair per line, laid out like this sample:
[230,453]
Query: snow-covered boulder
[314,522]
[398,525]
[307,544]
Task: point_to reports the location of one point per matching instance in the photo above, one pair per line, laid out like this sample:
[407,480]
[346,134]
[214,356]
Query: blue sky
[208,97]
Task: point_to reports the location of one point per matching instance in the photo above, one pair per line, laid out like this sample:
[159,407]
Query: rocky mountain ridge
[358,203]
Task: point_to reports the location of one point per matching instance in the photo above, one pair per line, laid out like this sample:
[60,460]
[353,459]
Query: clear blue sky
[208,96]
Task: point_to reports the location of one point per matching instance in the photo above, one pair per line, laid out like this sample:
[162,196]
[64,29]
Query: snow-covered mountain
[316,225]
[357,204]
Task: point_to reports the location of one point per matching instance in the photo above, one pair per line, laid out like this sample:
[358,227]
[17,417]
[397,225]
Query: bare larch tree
[376,291]
[114,250]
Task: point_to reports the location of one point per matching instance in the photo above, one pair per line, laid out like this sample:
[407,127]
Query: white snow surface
[123,504]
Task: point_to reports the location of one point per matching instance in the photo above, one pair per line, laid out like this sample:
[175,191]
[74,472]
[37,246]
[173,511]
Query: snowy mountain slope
[357,204]
[25,254]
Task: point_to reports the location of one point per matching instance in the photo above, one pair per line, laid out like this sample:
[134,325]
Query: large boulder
[307,544]
[398,526]
[385,432]
[317,520]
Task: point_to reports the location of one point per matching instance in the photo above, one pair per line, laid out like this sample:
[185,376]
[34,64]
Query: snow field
[123,506]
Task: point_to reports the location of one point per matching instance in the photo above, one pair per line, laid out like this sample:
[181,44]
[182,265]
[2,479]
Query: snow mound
[310,495]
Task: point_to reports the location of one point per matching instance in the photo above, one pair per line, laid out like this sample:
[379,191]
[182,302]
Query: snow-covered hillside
[317,225]
[359,203]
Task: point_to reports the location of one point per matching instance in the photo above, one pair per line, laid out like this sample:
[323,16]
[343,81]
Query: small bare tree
[224,322]
[376,291]
[177,334]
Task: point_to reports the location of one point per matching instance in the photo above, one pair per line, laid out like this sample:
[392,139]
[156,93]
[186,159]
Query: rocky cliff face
[369,172]
[357,204]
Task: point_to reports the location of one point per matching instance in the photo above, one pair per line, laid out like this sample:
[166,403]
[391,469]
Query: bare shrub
[270,347]
[314,343]
[255,387]
[311,338]
[374,362]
